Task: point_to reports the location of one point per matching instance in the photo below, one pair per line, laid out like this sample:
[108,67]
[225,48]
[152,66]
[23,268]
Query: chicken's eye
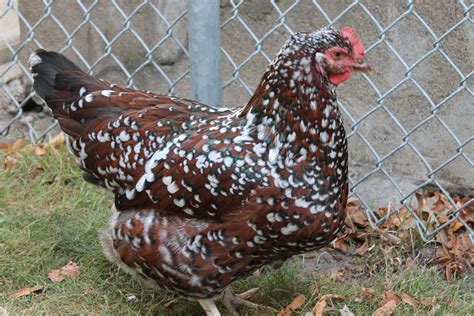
[337,55]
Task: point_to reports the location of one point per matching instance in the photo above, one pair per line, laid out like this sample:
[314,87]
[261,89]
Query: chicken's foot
[232,300]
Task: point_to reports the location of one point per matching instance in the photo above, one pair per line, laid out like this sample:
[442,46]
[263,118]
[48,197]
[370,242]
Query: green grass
[49,215]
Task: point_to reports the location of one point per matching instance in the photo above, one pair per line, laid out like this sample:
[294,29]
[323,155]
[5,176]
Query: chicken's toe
[231,301]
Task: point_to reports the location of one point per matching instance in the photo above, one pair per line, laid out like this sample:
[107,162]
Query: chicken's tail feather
[45,66]
[64,87]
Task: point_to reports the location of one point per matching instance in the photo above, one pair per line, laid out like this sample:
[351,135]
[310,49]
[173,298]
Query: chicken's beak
[362,66]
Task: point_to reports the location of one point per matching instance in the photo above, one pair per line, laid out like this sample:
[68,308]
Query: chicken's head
[342,57]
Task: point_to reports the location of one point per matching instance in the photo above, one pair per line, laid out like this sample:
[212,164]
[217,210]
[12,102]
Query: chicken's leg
[232,300]
[209,307]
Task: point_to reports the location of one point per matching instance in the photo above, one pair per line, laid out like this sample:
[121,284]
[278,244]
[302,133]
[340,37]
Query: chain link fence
[409,123]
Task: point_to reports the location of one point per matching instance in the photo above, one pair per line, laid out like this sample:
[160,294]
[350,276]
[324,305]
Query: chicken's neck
[294,108]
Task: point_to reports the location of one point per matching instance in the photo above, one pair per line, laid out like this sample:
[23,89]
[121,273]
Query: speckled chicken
[206,195]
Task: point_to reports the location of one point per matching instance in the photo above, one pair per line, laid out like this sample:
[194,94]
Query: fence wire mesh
[409,123]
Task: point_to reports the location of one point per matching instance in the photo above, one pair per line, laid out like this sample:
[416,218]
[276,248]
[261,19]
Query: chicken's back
[170,154]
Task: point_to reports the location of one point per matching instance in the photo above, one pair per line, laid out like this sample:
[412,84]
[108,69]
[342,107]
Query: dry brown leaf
[322,304]
[391,238]
[427,301]
[390,296]
[442,218]
[369,292]
[358,216]
[70,270]
[13,156]
[345,311]
[420,201]
[340,244]
[453,267]
[408,221]
[362,250]
[11,160]
[456,225]
[352,200]
[441,203]
[381,212]
[337,276]
[467,215]
[39,150]
[319,308]
[57,140]
[297,302]
[413,302]
[387,309]
[392,222]
[12,148]
[462,245]
[463,200]
[442,238]
[26,291]
[55,275]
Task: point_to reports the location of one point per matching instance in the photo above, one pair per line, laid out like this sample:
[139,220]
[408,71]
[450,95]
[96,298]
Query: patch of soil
[330,262]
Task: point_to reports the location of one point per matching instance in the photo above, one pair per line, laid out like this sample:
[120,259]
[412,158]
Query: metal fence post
[204,50]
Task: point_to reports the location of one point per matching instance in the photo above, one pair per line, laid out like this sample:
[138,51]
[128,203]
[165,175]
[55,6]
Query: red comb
[356,42]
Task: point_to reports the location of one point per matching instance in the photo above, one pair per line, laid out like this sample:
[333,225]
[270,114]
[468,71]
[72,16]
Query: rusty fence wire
[409,123]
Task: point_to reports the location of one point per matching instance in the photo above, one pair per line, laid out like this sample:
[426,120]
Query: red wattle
[336,79]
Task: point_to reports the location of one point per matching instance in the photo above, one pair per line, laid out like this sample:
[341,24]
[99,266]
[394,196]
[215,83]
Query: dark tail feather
[45,66]
[56,77]
[62,85]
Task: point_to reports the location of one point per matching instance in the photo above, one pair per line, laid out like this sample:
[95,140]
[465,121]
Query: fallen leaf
[337,276]
[26,291]
[353,200]
[39,150]
[340,244]
[362,250]
[345,311]
[427,301]
[12,154]
[36,171]
[442,238]
[408,221]
[322,304]
[297,302]
[55,276]
[413,302]
[443,218]
[381,212]
[57,140]
[12,148]
[358,216]
[387,309]
[390,296]
[462,245]
[70,270]
[11,160]
[368,292]
[391,238]
[453,267]
[456,225]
